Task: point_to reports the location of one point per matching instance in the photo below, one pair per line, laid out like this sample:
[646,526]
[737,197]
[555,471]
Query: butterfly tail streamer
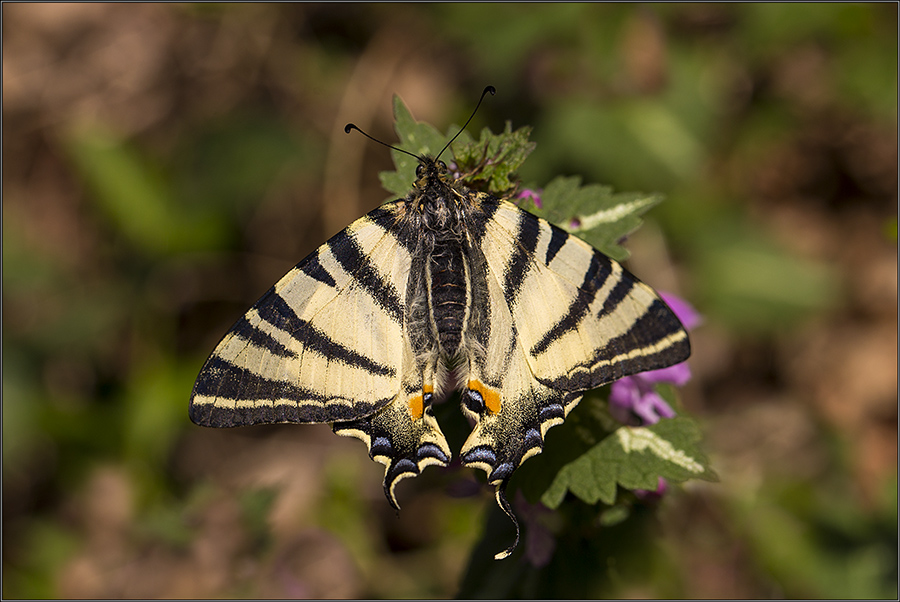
[500,494]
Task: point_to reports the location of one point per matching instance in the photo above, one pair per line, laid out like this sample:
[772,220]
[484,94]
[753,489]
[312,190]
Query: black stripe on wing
[388,219]
[312,267]
[230,385]
[558,238]
[275,310]
[657,324]
[619,293]
[594,278]
[526,239]
[635,349]
[355,262]
[252,334]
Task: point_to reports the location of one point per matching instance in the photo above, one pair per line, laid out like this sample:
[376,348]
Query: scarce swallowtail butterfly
[446,289]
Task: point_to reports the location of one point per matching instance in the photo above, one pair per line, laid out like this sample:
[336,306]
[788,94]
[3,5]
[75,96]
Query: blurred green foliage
[132,239]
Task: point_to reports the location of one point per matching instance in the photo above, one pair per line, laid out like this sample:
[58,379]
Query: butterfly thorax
[435,201]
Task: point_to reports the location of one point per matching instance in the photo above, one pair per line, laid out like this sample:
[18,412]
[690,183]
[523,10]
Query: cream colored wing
[325,343]
[564,318]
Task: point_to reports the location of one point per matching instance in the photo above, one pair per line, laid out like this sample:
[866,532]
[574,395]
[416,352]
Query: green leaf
[490,163]
[585,427]
[594,213]
[634,458]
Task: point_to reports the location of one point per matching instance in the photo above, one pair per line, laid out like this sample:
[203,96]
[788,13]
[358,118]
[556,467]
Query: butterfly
[447,289]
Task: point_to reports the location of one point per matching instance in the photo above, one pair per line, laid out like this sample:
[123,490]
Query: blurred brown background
[164,164]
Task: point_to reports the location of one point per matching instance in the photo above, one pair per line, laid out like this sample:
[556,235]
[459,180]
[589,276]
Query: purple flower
[683,310]
[652,496]
[636,396]
[534,195]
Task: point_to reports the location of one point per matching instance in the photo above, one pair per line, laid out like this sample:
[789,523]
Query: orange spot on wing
[416,403]
[416,407]
[490,396]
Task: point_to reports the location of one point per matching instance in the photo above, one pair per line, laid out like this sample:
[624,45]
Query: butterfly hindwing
[404,436]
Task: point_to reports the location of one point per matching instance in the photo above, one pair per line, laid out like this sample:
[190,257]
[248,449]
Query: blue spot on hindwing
[482,454]
[502,472]
[430,450]
[381,446]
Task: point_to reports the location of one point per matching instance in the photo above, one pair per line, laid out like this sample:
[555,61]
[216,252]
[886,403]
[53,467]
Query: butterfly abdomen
[448,292]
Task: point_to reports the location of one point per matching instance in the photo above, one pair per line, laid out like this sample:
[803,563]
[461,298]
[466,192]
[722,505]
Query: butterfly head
[434,199]
[432,173]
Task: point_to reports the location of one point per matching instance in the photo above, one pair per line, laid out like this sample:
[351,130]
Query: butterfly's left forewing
[585,320]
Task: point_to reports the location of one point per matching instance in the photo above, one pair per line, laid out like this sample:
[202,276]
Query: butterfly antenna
[490,89]
[352,126]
